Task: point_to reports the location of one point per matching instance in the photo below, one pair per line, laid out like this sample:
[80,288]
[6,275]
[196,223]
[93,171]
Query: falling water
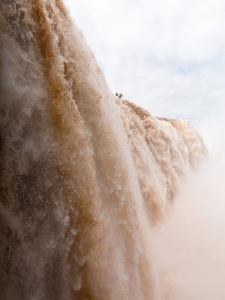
[85,177]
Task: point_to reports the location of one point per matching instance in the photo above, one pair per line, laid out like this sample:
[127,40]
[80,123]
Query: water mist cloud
[193,264]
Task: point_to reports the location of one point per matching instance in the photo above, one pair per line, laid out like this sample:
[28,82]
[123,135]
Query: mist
[190,245]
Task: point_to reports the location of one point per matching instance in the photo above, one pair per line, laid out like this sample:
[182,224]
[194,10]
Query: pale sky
[167,56]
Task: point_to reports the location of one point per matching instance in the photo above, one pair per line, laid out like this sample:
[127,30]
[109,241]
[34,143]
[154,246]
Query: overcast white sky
[167,56]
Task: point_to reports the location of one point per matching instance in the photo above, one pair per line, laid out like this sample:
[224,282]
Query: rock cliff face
[82,179]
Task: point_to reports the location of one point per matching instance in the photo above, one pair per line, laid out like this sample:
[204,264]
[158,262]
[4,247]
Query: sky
[167,56]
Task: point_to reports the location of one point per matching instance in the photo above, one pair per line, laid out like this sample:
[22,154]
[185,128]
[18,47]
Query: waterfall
[85,177]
